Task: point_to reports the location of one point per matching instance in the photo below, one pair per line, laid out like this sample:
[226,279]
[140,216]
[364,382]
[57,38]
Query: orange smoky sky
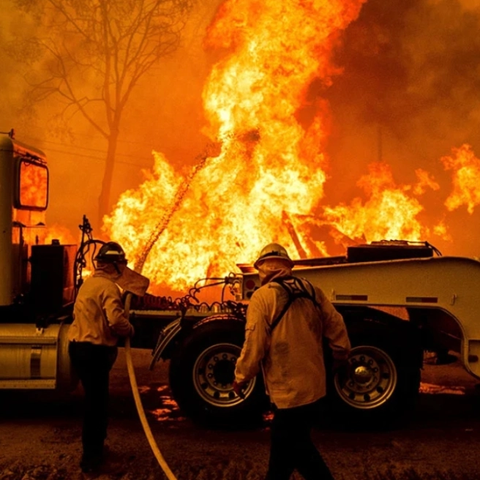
[399,102]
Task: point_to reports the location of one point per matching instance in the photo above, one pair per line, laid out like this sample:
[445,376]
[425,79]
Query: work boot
[91,461]
[90,464]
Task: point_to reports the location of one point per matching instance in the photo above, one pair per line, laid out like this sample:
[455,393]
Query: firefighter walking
[99,321]
[287,320]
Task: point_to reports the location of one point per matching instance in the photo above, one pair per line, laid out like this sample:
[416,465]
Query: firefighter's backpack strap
[295,288]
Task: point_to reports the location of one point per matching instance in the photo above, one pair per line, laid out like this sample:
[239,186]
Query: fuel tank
[35,358]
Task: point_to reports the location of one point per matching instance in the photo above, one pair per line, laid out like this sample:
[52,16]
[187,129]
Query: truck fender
[165,341]
[176,330]
[362,319]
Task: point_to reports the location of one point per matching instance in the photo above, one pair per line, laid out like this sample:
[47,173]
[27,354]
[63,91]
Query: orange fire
[390,211]
[47,235]
[33,185]
[265,180]
[58,233]
[465,168]
[270,171]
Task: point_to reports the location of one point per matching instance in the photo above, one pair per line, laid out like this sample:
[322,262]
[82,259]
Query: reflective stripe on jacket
[291,355]
[99,315]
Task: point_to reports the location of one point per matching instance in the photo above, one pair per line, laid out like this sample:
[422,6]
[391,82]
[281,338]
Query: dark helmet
[111,252]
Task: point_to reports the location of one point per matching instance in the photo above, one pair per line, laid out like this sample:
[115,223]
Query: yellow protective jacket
[99,315]
[292,354]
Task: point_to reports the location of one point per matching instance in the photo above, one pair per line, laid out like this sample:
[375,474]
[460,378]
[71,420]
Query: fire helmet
[111,252]
[273,250]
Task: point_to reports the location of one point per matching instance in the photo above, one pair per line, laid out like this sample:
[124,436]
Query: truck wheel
[382,380]
[202,373]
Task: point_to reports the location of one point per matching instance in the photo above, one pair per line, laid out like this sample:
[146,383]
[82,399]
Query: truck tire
[381,383]
[202,372]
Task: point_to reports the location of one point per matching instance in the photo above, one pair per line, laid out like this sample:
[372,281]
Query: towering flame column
[270,172]
[276,49]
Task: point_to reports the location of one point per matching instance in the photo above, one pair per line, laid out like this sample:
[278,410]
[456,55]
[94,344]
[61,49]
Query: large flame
[390,211]
[465,168]
[262,178]
[270,170]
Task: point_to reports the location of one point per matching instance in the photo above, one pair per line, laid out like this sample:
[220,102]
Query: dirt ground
[40,436]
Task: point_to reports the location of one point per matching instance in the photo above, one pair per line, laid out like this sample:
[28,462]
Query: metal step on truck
[399,299]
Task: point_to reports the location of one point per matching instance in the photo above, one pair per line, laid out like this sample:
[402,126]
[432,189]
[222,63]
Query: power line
[97,137]
[40,141]
[99,158]
[78,146]
[86,148]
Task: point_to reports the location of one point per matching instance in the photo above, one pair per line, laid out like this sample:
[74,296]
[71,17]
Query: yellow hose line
[138,403]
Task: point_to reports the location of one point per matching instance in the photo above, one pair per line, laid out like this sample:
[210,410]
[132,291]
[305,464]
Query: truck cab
[37,280]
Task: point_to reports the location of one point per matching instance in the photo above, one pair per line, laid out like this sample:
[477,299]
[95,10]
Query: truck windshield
[32,191]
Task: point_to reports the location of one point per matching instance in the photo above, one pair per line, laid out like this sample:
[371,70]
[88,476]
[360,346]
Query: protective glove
[238,388]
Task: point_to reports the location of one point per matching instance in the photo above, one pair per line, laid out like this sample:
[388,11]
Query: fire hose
[138,402]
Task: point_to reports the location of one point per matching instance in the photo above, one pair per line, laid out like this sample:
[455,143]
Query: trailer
[399,299]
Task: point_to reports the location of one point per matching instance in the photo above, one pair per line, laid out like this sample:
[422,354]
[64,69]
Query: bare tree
[94,53]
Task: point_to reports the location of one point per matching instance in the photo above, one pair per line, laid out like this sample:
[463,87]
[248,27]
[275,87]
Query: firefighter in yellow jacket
[287,320]
[99,321]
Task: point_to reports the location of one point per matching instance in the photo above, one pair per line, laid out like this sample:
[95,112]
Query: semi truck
[399,299]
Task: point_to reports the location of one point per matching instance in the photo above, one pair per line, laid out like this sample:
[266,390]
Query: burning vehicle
[398,298]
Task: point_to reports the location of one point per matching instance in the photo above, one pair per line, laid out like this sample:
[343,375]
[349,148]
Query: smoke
[408,94]
[411,68]
[413,59]
[164,114]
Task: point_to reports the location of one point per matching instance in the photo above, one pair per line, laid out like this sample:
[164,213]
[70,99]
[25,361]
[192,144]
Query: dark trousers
[292,446]
[92,364]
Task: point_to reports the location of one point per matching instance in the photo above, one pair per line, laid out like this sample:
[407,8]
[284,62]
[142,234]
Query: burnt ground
[40,436]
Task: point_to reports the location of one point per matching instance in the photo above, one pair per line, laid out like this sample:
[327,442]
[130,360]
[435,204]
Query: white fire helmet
[273,250]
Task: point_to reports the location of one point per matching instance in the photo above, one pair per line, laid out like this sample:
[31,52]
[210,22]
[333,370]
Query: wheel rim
[370,379]
[213,375]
